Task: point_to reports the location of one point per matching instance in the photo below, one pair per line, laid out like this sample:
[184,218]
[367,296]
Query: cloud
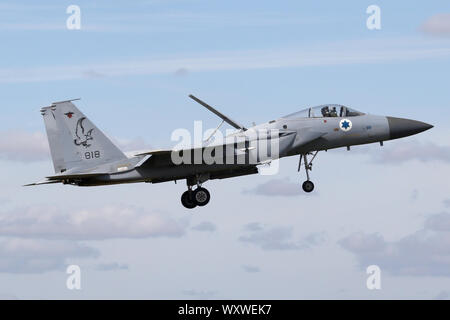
[33,146]
[150,21]
[109,222]
[277,187]
[438,222]
[254,226]
[91,73]
[438,24]
[205,226]
[403,151]
[278,238]
[342,53]
[38,256]
[425,252]
[413,150]
[135,144]
[181,72]
[251,269]
[23,146]
[447,203]
[315,238]
[111,266]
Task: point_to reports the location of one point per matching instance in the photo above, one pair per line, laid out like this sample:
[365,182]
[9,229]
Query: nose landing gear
[308,185]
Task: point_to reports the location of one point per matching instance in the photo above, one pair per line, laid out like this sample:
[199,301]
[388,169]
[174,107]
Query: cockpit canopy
[326,111]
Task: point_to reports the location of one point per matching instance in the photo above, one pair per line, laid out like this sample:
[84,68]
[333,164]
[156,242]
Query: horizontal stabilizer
[61,177]
[41,183]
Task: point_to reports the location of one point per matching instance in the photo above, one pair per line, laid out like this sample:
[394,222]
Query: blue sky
[134,65]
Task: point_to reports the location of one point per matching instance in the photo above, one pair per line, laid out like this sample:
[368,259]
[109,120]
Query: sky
[134,64]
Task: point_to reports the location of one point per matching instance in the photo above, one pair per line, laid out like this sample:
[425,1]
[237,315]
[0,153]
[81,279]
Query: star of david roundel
[345,125]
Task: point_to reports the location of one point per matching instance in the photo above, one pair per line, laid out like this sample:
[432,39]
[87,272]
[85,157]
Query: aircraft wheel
[308,186]
[201,197]
[187,199]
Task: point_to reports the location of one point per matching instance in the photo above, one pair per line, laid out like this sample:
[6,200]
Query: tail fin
[75,142]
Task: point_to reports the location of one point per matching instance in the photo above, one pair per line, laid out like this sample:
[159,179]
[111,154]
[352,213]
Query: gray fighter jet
[83,156]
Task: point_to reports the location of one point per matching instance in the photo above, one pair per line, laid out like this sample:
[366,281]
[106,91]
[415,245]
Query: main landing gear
[193,198]
[198,197]
[308,185]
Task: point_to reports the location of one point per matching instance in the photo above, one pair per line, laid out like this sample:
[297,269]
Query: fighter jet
[83,156]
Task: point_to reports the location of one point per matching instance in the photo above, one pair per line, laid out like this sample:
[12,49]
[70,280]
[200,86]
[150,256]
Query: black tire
[187,199]
[201,197]
[308,186]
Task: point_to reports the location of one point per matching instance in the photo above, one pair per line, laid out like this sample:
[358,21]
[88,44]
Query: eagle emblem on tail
[83,136]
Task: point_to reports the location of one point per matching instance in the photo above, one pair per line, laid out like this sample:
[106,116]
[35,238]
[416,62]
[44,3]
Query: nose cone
[399,127]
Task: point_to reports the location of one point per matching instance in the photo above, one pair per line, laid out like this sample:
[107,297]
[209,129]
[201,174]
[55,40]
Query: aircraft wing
[153,152]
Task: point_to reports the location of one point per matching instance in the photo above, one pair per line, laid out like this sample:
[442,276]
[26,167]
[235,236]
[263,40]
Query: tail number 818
[92,155]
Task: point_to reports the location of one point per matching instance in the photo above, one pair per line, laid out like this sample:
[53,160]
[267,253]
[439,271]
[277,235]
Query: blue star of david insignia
[345,124]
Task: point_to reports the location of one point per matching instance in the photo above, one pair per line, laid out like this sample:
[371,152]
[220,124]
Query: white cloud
[23,146]
[447,203]
[205,226]
[403,151]
[47,222]
[33,146]
[277,187]
[253,226]
[38,256]
[181,72]
[278,238]
[343,53]
[438,24]
[413,150]
[425,252]
[135,144]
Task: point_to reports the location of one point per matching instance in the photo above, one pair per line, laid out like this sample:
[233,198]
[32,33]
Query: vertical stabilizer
[75,142]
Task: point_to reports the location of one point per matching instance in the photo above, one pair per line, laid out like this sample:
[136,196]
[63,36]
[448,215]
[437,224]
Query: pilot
[333,112]
[325,111]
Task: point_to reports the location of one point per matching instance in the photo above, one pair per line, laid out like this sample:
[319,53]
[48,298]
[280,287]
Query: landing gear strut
[308,185]
[198,197]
